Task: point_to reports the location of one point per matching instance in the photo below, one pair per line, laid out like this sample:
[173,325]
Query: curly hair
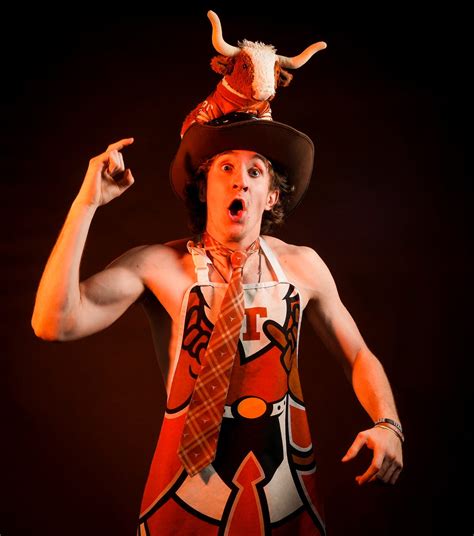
[197,209]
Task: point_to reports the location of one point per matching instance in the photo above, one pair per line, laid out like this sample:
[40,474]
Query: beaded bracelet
[392,422]
[400,436]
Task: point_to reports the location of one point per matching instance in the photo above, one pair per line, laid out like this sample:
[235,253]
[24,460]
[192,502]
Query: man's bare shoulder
[301,263]
[139,258]
[291,252]
[172,248]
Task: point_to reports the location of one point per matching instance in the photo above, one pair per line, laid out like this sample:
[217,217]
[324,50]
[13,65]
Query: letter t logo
[251,315]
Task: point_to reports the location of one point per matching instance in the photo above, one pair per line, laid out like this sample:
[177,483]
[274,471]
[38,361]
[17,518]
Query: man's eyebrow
[233,151]
[220,156]
[230,152]
[260,157]
[225,153]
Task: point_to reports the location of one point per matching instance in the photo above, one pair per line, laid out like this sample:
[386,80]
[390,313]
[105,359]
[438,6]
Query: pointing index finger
[119,145]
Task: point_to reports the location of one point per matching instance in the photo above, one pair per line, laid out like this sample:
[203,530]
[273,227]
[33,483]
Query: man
[252,470]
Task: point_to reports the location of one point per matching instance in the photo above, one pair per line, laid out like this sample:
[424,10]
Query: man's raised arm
[66,308]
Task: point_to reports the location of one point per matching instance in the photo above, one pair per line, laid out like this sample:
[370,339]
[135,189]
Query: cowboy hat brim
[284,146]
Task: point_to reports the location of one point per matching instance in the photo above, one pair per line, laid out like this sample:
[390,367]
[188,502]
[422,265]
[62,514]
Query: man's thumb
[354,448]
[127,179]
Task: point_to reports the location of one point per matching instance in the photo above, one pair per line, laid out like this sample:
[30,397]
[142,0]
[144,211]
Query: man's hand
[106,176]
[387,458]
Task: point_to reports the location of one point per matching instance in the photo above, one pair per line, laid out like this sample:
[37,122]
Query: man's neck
[233,242]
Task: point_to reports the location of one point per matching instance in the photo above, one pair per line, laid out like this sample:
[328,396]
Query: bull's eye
[245,66]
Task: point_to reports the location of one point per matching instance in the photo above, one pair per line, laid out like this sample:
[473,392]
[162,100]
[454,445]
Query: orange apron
[263,480]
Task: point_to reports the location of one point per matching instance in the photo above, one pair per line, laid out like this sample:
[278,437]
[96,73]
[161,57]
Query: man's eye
[226,167]
[254,172]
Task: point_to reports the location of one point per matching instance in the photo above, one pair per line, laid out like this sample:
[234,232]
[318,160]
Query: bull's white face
[263,60]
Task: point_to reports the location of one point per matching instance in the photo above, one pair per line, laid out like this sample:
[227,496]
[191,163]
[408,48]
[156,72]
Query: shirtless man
[68,309]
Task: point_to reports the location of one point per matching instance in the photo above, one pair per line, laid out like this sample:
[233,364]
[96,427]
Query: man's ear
[272,199]
[202,192]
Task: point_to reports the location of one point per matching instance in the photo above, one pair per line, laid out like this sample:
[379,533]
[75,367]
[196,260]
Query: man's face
[237,194]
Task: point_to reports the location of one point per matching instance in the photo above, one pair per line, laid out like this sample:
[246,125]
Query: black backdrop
[387,106]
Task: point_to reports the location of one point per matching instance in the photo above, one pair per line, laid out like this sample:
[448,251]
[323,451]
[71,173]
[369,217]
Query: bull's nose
[264,94]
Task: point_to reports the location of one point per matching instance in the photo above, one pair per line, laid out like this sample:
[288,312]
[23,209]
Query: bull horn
[217,40]
[297,61]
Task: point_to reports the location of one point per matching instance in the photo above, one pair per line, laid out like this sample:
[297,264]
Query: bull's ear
[222,64]
[284,77]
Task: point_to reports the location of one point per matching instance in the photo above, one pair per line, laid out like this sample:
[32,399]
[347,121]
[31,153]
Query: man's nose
[240,181]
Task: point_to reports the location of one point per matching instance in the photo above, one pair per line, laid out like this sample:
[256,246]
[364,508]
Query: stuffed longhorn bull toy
[251,73]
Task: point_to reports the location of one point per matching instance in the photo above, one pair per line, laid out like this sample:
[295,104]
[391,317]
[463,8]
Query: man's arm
[340,334]
[66,309]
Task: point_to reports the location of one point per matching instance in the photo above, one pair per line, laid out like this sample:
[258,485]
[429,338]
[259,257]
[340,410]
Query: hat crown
[231,117]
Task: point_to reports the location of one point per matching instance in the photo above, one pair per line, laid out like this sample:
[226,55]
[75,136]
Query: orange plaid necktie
[204,418]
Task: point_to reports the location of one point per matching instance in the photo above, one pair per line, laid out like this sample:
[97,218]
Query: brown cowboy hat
[287,149]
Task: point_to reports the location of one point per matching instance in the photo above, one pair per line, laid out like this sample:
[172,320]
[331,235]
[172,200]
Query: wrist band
[400,436]
[392,422]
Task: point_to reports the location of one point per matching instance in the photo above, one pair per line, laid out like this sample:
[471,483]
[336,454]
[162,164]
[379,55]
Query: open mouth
[236,209]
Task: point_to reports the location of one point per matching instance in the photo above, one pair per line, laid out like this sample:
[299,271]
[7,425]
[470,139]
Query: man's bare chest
[168,287]
[165,296]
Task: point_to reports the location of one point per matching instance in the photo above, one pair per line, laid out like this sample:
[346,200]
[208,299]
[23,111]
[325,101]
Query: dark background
[388,107]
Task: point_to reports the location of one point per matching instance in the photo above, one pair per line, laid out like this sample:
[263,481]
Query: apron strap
[276,266]
[201,260]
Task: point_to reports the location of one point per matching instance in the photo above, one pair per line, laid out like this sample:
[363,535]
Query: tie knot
[238,258]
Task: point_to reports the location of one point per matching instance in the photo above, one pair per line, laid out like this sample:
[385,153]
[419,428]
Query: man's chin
[238,231]
[235,232]
[235,229]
